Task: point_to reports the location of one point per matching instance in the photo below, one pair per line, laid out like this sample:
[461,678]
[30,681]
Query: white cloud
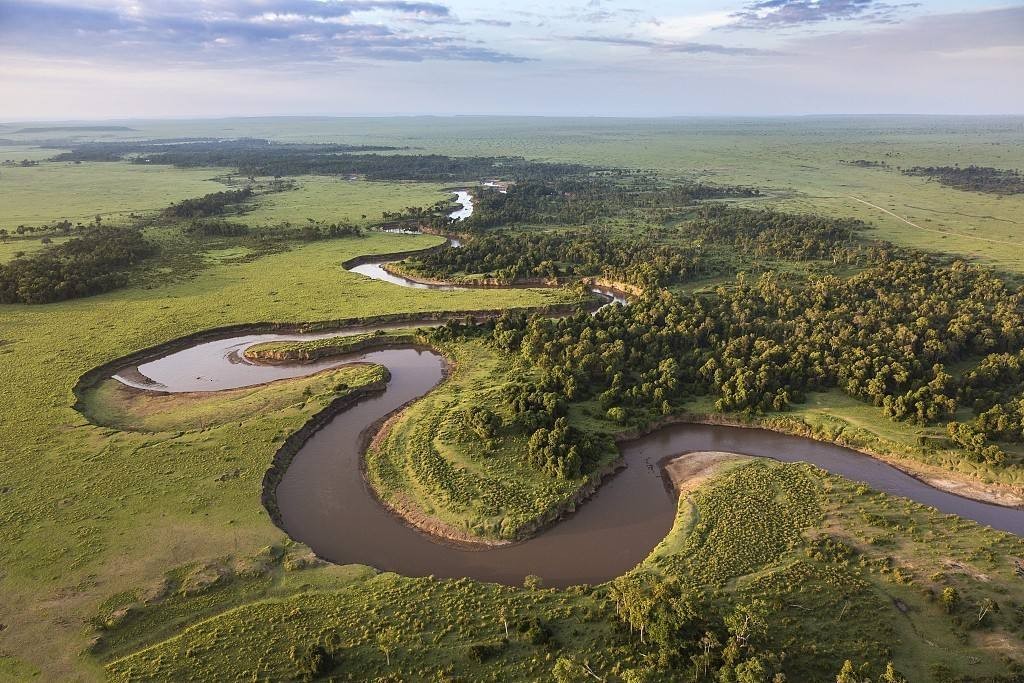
[678,29]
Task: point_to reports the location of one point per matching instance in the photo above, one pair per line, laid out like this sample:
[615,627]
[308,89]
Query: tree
[387,641]
[847,673]
[567,670]
[950,599]
[504,613]
[891,675]
[986,607]
[751,671]
[633,603]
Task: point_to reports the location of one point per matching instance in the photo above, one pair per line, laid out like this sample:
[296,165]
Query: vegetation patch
[973,178]
[307,351]
[114,404]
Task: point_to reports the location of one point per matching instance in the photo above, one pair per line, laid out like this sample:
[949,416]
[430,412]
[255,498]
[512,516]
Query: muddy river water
[325,502]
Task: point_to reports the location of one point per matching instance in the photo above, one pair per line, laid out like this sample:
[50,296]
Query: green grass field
[10,248]
[79,192]
[341,200]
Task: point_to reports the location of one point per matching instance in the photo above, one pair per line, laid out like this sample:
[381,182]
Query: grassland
[313,349]
[82,504]
[11,247]
[796,161]
[50,192]
[332,199]
[819,545]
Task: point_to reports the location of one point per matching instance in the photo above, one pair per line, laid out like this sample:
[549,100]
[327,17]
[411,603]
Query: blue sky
[157,58]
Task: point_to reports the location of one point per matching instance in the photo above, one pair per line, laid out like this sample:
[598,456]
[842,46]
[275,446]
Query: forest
[699,247]
[973,178]
[885,336]
[579,198]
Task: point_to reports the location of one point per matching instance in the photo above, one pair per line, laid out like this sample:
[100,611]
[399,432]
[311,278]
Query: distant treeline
[864,163]
[201,151]
[973,178]
[75,129]
[96,262]
[254,157]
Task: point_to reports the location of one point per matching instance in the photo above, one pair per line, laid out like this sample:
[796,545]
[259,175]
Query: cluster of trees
[974,178]
[563,451]
[62,226]
[994,389]
[213,204]
[883,336]
[683,632]
[253,157]
[510,257]
[417,217]
[699,247]
[554,447]
[864,163]
[765,233]
[96,262]
[309,231]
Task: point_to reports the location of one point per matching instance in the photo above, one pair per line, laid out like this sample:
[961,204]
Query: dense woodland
[885,336]
[98,261]
[973,178]
[655,258]
[580,198]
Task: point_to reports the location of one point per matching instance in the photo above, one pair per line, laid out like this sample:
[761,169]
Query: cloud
[685,28]
[228,32]
[780,13]
[926,36]
[679,47]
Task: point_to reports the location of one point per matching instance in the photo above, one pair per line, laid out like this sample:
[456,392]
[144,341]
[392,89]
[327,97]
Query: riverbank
[995,493]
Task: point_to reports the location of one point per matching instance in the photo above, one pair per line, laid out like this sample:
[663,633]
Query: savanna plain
[805,283]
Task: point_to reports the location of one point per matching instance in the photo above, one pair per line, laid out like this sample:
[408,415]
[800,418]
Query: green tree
[387,641]
[950,599]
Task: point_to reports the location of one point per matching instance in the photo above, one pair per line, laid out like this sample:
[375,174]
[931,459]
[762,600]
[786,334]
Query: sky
[97,59]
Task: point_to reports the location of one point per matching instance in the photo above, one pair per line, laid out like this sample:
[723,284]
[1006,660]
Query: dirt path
[938,232]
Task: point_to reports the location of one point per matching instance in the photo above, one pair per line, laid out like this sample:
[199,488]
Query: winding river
[325,502]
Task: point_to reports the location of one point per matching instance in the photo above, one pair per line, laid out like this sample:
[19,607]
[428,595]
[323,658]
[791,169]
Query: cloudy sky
[157,58]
